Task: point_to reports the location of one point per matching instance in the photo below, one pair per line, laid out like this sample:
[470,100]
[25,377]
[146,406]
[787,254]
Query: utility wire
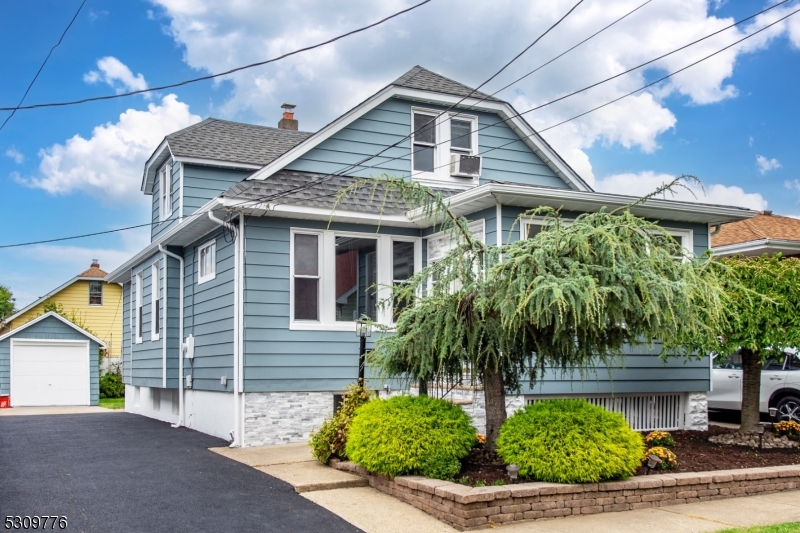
[212,76]
[15,109]
[285,193]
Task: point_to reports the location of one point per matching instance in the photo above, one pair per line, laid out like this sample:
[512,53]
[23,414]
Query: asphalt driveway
[127,473]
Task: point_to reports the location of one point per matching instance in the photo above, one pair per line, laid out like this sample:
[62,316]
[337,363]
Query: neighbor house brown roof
[94,271]
[762,226]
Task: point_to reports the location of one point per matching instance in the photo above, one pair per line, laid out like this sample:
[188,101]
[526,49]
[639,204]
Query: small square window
[207,260]
[95,293]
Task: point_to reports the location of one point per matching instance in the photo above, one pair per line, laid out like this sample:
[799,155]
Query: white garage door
[49,372]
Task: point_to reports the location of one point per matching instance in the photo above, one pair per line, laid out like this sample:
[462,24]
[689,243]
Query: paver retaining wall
[475,508]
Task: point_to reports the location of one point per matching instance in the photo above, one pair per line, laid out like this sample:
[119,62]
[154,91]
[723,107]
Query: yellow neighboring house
[95,303]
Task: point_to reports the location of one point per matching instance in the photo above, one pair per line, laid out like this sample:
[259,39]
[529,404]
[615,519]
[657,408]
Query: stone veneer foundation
[475,508]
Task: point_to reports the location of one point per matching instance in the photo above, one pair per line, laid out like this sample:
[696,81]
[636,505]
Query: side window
[730,362]
[95,293]
[155,301]
[794,362]
[207,259]
[165,188]
[306,276]
[356,277]
[461,136]
[402,270]
[138,307]
[773,364]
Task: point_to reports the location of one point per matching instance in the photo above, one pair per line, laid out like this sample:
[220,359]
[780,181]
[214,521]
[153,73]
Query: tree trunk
[751,390]
[423,387]
[495,395]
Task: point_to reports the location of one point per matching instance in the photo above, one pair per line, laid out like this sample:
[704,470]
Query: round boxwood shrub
[410,435]
[570,441]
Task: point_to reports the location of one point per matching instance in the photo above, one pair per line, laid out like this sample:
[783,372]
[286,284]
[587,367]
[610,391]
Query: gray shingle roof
[321,195]
[223,140]
[424,79]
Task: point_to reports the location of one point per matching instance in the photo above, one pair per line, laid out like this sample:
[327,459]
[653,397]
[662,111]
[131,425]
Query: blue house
[239,317]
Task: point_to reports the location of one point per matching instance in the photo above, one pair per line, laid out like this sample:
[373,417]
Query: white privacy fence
[643,412]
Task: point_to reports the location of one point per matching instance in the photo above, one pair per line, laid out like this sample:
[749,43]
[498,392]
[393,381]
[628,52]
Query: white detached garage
[50,361]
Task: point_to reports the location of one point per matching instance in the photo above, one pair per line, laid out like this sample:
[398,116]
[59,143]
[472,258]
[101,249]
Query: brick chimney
[95,263]
[288,122]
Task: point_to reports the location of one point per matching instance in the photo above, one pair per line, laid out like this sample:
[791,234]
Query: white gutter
[181,410]
[762,245]
[237,400]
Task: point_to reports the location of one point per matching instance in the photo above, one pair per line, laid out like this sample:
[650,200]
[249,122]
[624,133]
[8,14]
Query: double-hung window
[438,139]
[165,190]
[338,277]
[424,145]
[95,293]
[155,301]
[207,262]
[138,308]
[306,276]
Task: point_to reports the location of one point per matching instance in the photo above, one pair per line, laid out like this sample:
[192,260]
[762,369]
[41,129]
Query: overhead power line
[15,109]
[219,74]
[278,195]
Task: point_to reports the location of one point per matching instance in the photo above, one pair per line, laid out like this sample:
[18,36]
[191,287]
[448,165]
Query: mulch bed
[695,454]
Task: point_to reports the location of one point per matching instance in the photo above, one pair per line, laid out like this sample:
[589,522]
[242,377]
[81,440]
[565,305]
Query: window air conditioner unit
[465,166]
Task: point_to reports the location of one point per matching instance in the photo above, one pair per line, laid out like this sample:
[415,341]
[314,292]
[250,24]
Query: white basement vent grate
[644,413]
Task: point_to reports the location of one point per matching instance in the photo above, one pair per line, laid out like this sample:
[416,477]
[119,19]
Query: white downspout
[181,410]
[237,426]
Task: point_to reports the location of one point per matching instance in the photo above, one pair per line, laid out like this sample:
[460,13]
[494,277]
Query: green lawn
[792,527]
[112,403]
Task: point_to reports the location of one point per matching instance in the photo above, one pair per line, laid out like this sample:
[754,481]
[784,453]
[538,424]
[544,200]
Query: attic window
[165,190]
[95,293]
[444,146]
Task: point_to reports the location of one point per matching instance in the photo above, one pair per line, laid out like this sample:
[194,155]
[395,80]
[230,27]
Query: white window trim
[102,291]
[441,156]
[155,300]
[138,280]
[687,235]
[477,228]
[327,280]
[208,277]
[165,184]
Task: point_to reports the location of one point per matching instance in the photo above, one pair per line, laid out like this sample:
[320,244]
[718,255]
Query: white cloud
[328,81]
[116,74]
[750,141]
[793,185]
[108,165]
[16,155]
[765,165]
[642,183]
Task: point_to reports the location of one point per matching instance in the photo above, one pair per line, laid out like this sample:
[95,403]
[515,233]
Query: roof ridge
[405,80]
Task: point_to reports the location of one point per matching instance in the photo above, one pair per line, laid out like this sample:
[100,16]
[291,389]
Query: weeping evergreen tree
[568,299]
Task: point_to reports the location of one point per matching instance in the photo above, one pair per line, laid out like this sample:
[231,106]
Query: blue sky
[731,121]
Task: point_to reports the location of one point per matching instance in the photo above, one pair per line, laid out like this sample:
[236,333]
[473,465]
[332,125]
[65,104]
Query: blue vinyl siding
[277,358]
[147,361]
[159,227]
[51,328]
[126,333]
[202,184]
[208,315]
[172,320]
[390,121]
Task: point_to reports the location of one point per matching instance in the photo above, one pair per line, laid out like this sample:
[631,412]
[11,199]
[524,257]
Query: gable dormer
[198,163]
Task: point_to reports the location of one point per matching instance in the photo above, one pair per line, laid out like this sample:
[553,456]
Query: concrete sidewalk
[376,512]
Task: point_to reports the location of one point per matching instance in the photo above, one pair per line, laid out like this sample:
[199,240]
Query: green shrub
[111,386]
[410,435]
[659,438]
[570,441]
[331,437]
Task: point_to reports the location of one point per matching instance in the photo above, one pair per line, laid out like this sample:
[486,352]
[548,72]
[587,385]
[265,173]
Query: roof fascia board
[527,134]
[753,246]
[148,178]
[599,199]
[215,163]
[124,270]
[59,317]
